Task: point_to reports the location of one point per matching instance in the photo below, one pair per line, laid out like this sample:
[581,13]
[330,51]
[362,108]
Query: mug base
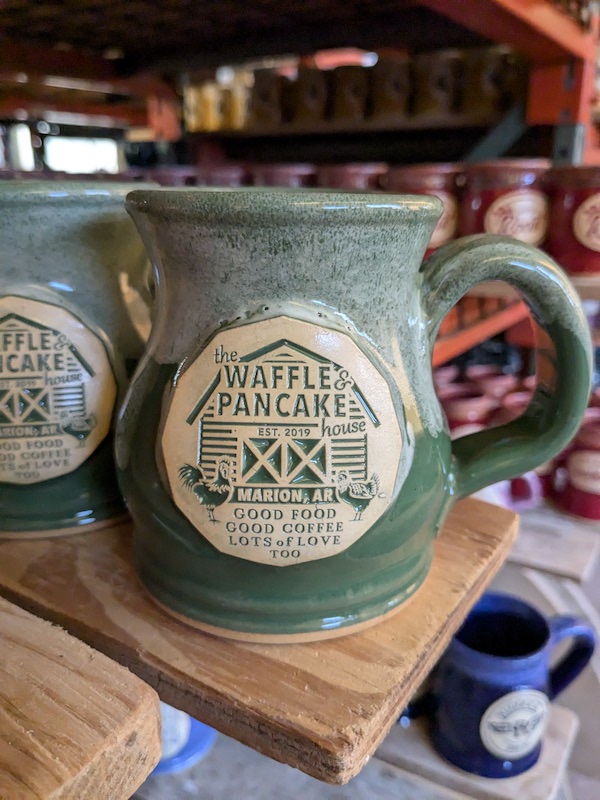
[486,766]
[279,638]
[70,530]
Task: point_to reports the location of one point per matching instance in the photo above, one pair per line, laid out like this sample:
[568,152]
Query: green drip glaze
[343,262]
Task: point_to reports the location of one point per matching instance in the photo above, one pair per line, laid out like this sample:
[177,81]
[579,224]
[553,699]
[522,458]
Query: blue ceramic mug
[491,692]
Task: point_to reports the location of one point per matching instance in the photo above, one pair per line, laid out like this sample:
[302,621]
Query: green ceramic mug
[73,317]
[281,448]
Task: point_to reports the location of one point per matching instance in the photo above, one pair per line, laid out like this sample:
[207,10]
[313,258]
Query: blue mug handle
[574,662]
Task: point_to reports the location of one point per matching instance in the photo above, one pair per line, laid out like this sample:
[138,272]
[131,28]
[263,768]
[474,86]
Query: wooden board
[410,749]
[558,543]
[73,724]
[322,707]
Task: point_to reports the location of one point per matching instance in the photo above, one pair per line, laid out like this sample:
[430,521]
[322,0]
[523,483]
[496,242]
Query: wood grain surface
[411,750]
[73,724]
[322,707]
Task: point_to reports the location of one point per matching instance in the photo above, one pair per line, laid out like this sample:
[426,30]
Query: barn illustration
[40,400]
[268,445]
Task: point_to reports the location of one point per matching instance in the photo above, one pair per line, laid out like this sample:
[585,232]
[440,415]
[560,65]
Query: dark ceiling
[217,31]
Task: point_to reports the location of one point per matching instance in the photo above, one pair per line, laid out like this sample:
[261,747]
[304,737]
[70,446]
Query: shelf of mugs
[91,728]
[409,748]
[400,92]
[40,82]
[379,124]
[323,707]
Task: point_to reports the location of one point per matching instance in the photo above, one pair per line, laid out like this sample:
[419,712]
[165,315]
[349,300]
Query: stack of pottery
[478,398]
[487,397]
[286,175]
[363,176]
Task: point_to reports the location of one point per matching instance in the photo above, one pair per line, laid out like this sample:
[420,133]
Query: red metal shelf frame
[563,56]
[452,345]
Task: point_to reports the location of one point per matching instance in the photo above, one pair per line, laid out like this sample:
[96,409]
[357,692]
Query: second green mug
[73,317]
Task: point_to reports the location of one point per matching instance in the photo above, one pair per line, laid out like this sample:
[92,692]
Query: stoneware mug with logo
[491,692]
[281,448]
[506,197]
[73,317]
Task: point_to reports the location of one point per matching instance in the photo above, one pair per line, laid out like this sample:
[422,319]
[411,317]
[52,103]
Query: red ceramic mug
[492,380]
[440,180]
[512,406]
[574,230]
[229,175]
[445,375]
[505,197]
[581,493]
[361,176]
[465,404]
[286,175]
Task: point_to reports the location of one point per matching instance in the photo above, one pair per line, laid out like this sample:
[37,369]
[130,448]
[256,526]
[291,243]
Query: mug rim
[280,203]
[507,602]
[68,191]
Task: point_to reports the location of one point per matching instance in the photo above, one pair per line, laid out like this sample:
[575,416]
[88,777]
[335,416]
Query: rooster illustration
[208,493]
[79,427]
[357,494]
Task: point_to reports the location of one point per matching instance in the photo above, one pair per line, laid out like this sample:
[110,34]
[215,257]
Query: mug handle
[573,663]
[563,354]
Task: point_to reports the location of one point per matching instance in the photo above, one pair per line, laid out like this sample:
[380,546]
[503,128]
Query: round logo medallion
[583,467]
[281,442]
[586,223]
[513,726]
[520,214]
[57,391]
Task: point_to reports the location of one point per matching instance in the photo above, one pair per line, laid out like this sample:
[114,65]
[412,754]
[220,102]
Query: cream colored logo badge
[281,442]
[583,468]
[586,223]
[57,391]
[514,725]
[520,214]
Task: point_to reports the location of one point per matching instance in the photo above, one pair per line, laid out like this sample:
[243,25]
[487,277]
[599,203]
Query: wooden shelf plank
[380,124]
[452,345]
[321,707]
[73,724]
[410,749]
[558,543]
[118,114]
